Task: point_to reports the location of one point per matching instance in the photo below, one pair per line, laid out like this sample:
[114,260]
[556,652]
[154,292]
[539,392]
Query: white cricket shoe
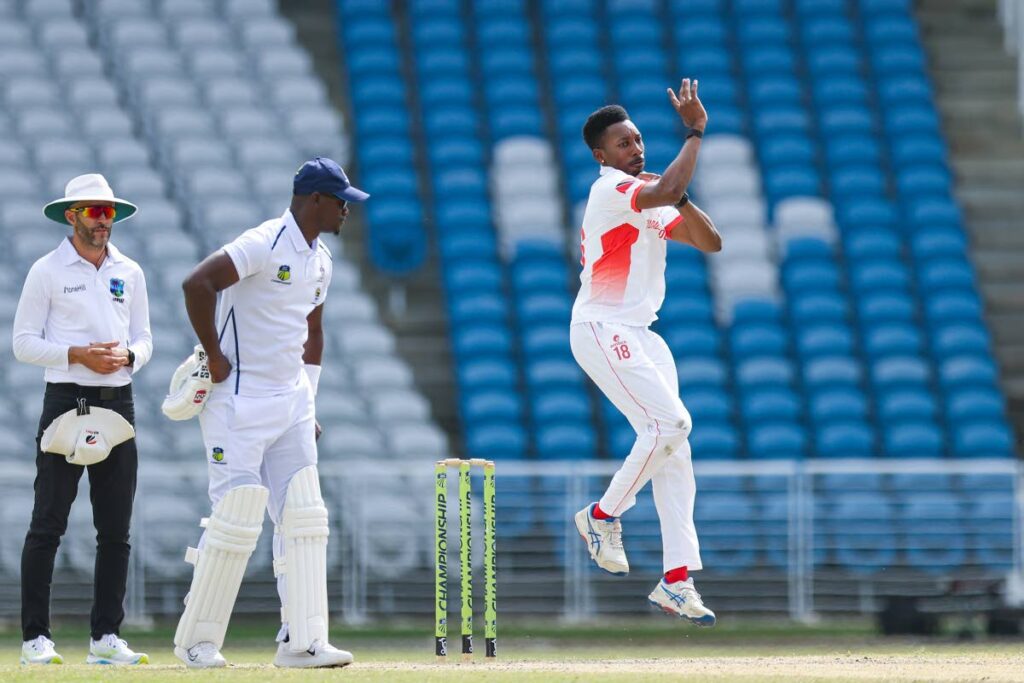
[204,655]
[113,650]
[681,599]
[39,650]
[604,541]
[319,655]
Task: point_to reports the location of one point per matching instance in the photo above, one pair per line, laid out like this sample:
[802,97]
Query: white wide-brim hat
[85,438]
[91,187]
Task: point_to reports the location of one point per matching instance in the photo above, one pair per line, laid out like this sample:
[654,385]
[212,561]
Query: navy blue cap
[325,176]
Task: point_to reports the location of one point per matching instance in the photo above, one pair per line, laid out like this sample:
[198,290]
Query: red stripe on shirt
[608,279]
[636,193]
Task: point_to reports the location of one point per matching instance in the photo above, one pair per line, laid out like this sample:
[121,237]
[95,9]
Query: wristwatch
[131,357]
[695,133]
[683,201]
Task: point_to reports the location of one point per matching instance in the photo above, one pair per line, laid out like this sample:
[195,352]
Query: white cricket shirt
[623,277]
[261,319]
[66,301]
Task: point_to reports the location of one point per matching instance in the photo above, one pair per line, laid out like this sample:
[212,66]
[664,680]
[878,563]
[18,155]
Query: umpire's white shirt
[261,319]
[66,301]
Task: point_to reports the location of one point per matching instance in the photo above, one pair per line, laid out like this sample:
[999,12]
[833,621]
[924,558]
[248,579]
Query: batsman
[257,307]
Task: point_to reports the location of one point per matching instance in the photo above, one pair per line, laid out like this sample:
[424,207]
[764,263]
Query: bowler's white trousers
[634,368]
[262,440]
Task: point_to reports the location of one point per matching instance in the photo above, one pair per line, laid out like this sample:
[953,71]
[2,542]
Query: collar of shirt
[69,255]
[295,234]
[605,170]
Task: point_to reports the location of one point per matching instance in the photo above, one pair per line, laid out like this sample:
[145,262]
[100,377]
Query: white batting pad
[305,531]
[231,534]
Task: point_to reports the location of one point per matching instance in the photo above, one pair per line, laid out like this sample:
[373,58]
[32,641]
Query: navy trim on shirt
[234,331]
[279,233]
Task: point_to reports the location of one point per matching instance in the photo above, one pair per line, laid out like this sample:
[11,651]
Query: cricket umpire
[84,316]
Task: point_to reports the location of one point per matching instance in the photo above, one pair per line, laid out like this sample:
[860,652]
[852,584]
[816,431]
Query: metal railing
[796,538]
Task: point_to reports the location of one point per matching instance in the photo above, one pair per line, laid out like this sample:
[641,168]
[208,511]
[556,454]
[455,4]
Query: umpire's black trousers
[111,490]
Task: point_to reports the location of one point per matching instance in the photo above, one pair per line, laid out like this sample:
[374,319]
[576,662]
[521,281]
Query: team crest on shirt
[217,455]
[316,295]
[624,185]
[284,275]
[117,289]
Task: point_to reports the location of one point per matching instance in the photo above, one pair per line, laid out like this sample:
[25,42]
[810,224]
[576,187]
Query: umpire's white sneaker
[204,655]
[113,650]
[319,655]
[604,541]
[681,599]
[39,650]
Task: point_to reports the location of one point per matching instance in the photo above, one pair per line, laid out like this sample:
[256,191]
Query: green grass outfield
[635,651]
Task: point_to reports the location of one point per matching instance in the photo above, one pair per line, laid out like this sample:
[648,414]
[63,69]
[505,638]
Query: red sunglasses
[96,212]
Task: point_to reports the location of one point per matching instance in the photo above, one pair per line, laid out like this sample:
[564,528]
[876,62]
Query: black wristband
[131,357]
[683,201]
[695,133]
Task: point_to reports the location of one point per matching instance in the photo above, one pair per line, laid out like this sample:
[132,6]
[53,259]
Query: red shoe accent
[597,513]
[677,574]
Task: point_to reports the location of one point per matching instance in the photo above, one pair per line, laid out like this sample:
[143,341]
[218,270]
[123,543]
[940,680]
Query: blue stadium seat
[989,521]
[693,307]
[785,148]
[906,404]
[777,440]
[920,148]
[709,404]
[551,339]
[816,308]
[727,520]
[947,307]
[553,373]
[560,406]
[494,405]
[967,371]
[540,308]
[874,243]
[913,440]
[861,531]
[845,119]
[899,371]
[714,440]
[749,311]
[481,340]
[819,340]
[495,372]
[485,306]
[476,277]
[946,273]
[767,405]
[974,402]
[933,532]
[566,442]
[857,181]
[849,439]
[685,339]
[764,371]
[814,276]
[954,339]
[879,275]
[938,242]
[752,340]
[702,372]
[502,440]
[832,371]
[849,149]
[982,439]
[827,61]
[885,307]
[538,277]
[892,339]
[833,404]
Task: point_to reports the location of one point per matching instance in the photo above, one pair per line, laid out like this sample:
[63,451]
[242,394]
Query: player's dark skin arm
[669,188]
[697,230]
[313,351]
[214,274]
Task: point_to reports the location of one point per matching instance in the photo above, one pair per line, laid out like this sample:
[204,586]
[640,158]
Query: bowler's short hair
[599,121]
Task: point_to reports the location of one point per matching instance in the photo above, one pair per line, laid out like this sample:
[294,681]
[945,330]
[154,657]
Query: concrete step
[1011,359]
[976,81]
[1001,233]
[1005,297]
[990,203]
[998,265]
[999,109]
[1007,327]
[990,172]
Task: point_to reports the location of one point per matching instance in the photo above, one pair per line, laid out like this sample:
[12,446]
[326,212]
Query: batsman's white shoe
[204,655]
[681,599]
[39,650]
[319,655]
[113,650]
[604,541]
